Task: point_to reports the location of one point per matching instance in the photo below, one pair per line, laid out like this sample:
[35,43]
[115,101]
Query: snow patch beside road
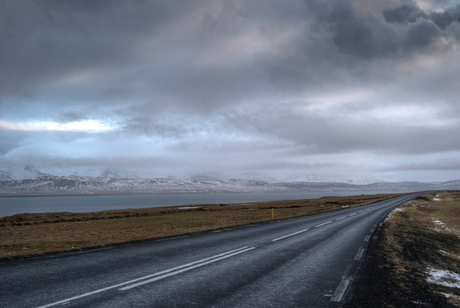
[443,277]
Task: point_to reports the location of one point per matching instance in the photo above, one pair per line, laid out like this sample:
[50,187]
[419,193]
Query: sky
[347,88]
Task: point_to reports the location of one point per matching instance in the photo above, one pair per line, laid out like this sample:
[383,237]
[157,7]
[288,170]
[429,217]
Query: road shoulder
[396,268]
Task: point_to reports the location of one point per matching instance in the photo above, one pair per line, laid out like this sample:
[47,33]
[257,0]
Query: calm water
[77,204]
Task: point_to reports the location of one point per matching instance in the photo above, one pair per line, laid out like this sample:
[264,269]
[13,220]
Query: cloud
[219,84]
[337,131]
[422,34]
[403,14]
[119,163]
[451,164]
[70,116]
[411,13]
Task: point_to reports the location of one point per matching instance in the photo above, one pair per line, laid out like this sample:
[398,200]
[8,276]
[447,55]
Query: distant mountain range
[30,180]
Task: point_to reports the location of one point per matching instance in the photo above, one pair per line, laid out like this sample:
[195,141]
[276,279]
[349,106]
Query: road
[301,262]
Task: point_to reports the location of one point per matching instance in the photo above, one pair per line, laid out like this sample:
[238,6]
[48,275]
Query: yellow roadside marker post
[398,217]
[273,214]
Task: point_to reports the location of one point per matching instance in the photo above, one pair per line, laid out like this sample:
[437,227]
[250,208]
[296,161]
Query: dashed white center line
[359,254]
[324,223]
[353,214]
[342,218]
[367,238]
[280,238]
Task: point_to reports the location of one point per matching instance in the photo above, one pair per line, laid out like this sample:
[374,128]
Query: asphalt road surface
[301,262]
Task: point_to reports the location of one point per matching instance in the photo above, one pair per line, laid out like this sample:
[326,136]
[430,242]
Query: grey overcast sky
[340,88]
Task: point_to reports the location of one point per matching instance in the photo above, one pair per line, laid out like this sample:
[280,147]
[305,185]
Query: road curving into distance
[309,261]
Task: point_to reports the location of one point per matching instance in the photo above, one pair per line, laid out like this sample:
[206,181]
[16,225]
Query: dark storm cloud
[404,13]
[43,41]
[444,19]
[111,52]
[368,35]
[365,37]
[422,34]
[410,13]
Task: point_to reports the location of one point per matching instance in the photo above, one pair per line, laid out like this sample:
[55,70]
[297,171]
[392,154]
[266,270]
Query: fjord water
[79,204]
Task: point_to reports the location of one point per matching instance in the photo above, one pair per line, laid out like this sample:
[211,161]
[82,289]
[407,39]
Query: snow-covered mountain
[32,180]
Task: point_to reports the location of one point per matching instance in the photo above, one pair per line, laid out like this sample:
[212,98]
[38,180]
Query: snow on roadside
[393,213]
[447,295]
[438,222]
[443,226]
[443,277]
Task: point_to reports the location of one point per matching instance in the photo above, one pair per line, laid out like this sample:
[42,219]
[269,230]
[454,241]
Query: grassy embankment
[417,262]
[35,234]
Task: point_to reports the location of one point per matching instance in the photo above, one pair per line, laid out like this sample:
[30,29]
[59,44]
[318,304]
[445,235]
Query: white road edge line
[340,291]
[231,252]
[359,254]
[367,238]
[280,238]
[184,270]
[324,223]
[342,218]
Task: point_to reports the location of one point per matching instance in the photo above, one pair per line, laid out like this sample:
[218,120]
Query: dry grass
[427,237]
[35,234]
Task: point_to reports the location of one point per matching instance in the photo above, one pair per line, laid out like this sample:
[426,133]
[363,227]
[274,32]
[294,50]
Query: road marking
[359,254]
[171,238]
[372,230]
[353,214]
[340,291]
[324,223]
[181,269]
[200,262]
[341,217]
[280,238]
[367,238]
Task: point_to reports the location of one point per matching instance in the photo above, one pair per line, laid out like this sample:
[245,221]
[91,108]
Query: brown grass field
[26,235]
[427,237]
